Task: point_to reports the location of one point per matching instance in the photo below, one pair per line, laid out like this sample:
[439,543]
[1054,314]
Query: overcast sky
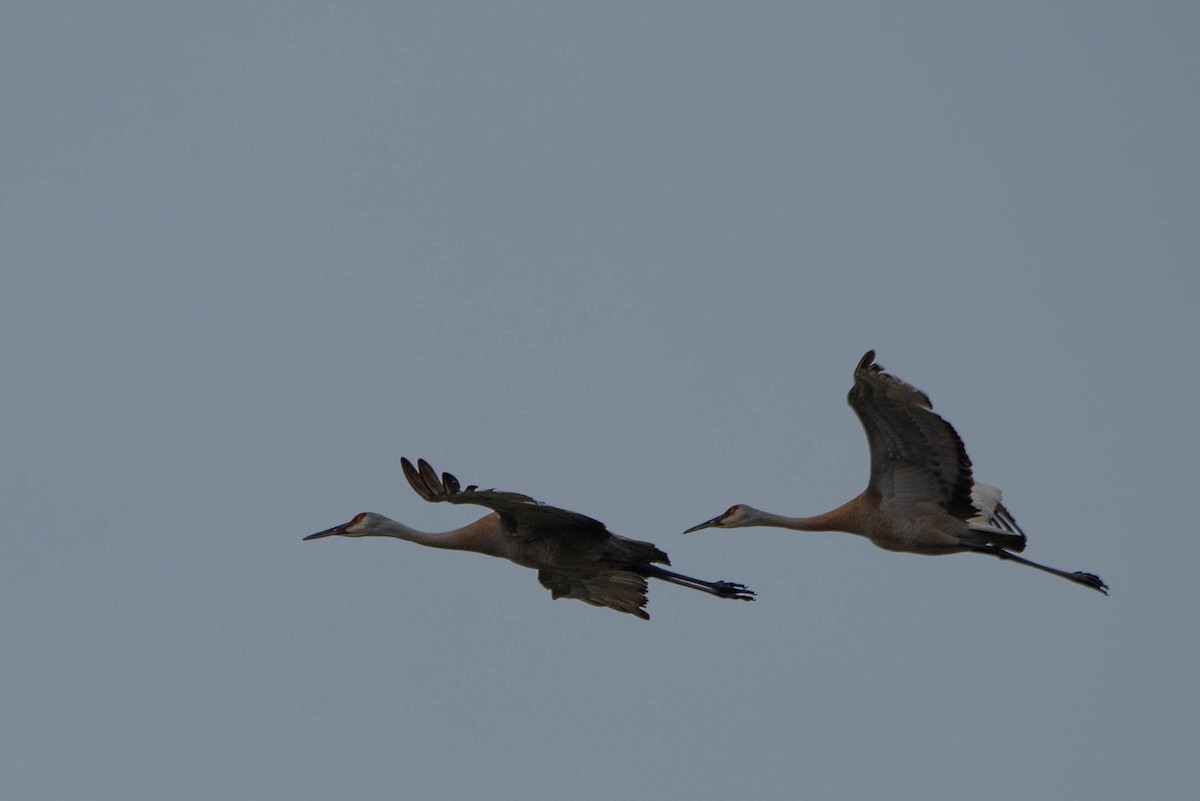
[622,257]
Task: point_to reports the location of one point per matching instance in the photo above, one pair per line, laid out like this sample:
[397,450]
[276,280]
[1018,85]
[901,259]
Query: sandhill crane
[921,497]
[574,555]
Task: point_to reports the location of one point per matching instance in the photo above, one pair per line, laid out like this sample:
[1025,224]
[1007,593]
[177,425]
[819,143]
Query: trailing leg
[721,589]
[1086,579]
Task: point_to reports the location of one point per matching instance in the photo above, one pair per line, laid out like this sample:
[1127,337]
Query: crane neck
[453,540]
[847,518]
[816,523]
[486,535]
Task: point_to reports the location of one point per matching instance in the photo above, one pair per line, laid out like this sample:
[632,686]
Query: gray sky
[622,258]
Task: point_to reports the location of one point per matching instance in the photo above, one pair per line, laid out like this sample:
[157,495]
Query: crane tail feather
[986,535]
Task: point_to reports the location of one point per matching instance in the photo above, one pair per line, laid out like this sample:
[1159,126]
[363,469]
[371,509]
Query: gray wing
[519,511]
[918,461]
[608,586]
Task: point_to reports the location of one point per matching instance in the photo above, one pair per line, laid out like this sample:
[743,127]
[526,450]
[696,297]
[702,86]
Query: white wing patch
[992,513]
[985,498]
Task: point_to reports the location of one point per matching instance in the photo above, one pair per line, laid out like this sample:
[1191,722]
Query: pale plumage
[921,496]
[575,556]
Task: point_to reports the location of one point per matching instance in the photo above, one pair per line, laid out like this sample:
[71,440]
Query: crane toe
[1090,580]
[729,589]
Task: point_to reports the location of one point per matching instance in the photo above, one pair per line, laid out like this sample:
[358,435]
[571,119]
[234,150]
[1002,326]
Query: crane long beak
[716,521]
[329,532]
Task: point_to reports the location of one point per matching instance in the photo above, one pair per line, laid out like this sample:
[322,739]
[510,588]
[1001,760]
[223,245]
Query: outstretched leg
[1086,579]
[721,589]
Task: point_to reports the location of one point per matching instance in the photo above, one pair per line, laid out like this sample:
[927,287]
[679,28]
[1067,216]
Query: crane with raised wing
[922,496]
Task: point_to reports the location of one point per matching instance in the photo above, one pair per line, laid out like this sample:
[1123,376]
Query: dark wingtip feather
[430,477]
[866,361]
[451,483]
[414,479]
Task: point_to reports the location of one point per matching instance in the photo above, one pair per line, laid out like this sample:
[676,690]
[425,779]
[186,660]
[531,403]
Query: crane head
[732,517]
[362,525]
